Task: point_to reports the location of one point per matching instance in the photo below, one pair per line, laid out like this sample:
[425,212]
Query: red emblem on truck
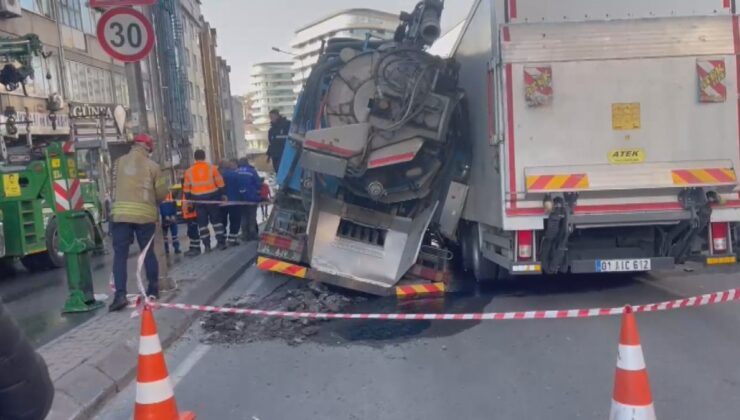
[538,85]
[712,74]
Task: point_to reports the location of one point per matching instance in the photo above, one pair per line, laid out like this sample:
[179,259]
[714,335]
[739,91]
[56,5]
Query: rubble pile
[306,297]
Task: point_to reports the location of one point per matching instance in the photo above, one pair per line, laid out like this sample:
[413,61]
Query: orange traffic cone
[632,398]
[155,399]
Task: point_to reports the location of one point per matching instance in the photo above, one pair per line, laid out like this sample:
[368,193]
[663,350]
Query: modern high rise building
[271,87]
[352,23]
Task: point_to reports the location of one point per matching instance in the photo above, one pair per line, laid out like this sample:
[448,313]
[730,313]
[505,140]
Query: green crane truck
[28,225]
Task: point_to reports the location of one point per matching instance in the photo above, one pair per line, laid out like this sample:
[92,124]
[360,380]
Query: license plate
[610,266]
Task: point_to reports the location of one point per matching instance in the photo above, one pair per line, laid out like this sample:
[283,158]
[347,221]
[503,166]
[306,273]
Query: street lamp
[294,55]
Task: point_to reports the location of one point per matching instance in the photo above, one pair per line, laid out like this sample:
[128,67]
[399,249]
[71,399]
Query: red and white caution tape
[703,300]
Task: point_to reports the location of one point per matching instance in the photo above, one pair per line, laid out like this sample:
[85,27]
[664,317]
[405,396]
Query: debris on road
[305,297]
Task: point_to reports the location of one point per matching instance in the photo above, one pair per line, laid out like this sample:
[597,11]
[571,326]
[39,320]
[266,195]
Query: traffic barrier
[695,301]
[155,398]
[632,399]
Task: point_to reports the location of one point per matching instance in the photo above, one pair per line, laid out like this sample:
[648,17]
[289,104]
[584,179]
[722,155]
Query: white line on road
[189,363]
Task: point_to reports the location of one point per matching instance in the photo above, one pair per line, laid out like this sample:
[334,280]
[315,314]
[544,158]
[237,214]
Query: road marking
[189,363]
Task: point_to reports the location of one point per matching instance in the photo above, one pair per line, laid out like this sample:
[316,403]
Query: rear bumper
[302,272]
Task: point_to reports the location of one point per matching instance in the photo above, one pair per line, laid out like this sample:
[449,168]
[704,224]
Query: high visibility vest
[202,178]
[169,197]
[188,210]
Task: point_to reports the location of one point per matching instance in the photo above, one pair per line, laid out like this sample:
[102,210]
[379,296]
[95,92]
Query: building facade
[352,23]
[270,87]
[227,109]
[238,124]
[196,87]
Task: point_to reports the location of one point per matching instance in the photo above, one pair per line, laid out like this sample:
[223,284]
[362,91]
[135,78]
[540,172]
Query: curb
[83,389]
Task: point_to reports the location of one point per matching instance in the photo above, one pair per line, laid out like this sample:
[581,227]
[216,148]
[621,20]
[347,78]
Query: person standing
[170,231]
[232,210]
[251,194]
[277,136]
[138,189]
[265,198]
[191,218]
[204,185]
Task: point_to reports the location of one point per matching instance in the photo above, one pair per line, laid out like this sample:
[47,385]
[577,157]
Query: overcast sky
[248,29]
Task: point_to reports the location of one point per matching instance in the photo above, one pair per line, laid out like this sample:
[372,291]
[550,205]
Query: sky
[248,29]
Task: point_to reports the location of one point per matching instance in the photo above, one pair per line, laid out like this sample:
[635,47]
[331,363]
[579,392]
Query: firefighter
[205,186]
[138,189]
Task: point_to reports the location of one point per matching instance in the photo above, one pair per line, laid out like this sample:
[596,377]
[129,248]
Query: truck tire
[54,257]
[474,262]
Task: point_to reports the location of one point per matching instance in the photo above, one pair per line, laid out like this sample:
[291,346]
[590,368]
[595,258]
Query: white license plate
[611,266]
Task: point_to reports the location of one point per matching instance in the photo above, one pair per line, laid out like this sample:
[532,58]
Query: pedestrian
[277,136]
[250,230]
[265,199]
[191,218]
[26,390]
[138,189]
[236,184]
[204,185]
[170,230]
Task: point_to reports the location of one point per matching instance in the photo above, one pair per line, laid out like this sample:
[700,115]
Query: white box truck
[568,136]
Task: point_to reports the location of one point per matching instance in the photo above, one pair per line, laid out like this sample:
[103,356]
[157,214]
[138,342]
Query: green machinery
[44,221]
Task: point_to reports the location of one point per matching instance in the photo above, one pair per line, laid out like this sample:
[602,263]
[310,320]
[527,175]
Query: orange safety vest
[188,210]
[168,197]
[202,178]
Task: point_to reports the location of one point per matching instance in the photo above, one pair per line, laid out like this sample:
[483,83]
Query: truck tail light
[525,245]
[281,242]
[720,237]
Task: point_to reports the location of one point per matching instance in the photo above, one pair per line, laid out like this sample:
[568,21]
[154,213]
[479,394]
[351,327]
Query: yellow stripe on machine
[282,267]
[731,259]
[416,290]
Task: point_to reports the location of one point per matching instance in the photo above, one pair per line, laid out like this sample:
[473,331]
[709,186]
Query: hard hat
[145,140]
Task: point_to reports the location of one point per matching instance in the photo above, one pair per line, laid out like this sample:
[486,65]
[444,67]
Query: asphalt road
[535,369]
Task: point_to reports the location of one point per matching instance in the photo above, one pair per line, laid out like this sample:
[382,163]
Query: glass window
[86,83]
[120,85]
[89,19]
[147,86]
[71,13]
[200,121]
[42,7]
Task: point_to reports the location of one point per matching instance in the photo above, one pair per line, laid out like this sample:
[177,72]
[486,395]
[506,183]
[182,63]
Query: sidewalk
[96,359]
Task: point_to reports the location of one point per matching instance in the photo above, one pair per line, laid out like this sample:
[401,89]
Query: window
[194,122]
[195,62]
[71,13]
[91,84]
[120,85]
[190,86]
[187,57]
[197,95]
[42,7]
[200,121]
[147,86]
[89,19]
[39,85]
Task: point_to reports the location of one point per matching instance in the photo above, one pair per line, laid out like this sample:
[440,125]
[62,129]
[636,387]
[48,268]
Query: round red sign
[125,34]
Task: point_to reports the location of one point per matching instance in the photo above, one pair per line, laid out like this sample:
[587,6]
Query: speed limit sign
[125,34]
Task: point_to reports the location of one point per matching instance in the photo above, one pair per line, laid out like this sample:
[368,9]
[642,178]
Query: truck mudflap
[402,291]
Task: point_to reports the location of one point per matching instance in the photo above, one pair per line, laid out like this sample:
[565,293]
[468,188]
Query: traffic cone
[155,399]
[632,399]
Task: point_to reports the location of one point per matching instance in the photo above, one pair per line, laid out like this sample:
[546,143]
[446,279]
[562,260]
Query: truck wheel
[473,260]
[37,262]
[54,256]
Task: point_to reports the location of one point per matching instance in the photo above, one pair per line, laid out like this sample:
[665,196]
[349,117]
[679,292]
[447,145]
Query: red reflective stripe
[726,4]
[688,177]
[736,42]
[719,175]
[405,157]
[573,181]
[312,144]
[510,123]
[512,9]
[506,33]
[542,182]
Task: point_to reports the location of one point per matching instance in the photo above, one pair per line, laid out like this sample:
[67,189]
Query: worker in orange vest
[190,217]
[204,185]
[170,232]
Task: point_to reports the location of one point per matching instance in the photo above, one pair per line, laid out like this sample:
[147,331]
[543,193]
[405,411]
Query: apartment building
[271,87]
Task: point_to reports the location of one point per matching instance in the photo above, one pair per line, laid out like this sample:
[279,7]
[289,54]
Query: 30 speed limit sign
[125,34]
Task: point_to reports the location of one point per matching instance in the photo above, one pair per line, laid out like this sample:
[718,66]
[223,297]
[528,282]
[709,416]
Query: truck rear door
[625,103]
